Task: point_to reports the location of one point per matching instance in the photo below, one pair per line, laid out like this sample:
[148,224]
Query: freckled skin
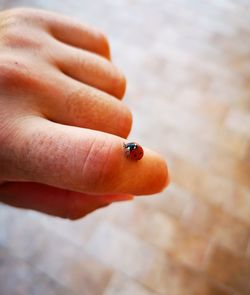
[135,151]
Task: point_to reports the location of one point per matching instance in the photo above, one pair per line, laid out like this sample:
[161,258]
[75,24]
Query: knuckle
[22,14]
[13,18]
[13,39]
[13,74]
[9,74]
[99,165]
[7,25]
[14,34]
[17,28]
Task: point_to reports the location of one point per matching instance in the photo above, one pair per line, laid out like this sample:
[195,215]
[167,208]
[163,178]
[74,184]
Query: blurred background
[187,64]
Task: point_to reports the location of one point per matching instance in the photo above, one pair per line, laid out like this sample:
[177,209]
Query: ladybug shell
[136,153]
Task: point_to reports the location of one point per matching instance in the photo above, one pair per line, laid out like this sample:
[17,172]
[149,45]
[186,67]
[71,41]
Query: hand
[62,121]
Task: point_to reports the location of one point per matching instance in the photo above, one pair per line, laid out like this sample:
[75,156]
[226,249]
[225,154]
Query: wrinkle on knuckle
[98,165]
[106,174]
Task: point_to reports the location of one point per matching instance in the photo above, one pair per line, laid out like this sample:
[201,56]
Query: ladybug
[133,151]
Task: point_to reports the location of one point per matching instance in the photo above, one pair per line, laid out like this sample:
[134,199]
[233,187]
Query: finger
[76,104]
[81,160]
[90,69]
[54,201]
[72,31]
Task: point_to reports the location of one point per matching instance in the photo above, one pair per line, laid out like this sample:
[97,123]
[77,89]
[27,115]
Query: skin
[62,121]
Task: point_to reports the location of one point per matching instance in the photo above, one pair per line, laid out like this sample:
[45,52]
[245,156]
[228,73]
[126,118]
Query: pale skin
[62,119]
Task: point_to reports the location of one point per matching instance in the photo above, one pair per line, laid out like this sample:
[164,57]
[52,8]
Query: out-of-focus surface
[188,69]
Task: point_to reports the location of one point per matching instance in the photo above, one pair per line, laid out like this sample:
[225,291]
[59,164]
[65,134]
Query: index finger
[84,160]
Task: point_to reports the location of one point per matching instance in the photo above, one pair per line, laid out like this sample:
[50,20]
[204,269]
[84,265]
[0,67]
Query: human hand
[62,122]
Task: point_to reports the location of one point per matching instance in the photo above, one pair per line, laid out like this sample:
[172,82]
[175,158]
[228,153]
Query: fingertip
[125,122]
[159,175]
[146,176]
[104,45]
[165,180]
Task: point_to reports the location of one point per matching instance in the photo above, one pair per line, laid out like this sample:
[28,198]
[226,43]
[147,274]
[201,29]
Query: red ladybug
[133,150]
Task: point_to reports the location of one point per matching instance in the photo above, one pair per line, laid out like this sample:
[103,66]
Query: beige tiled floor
[188,68]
